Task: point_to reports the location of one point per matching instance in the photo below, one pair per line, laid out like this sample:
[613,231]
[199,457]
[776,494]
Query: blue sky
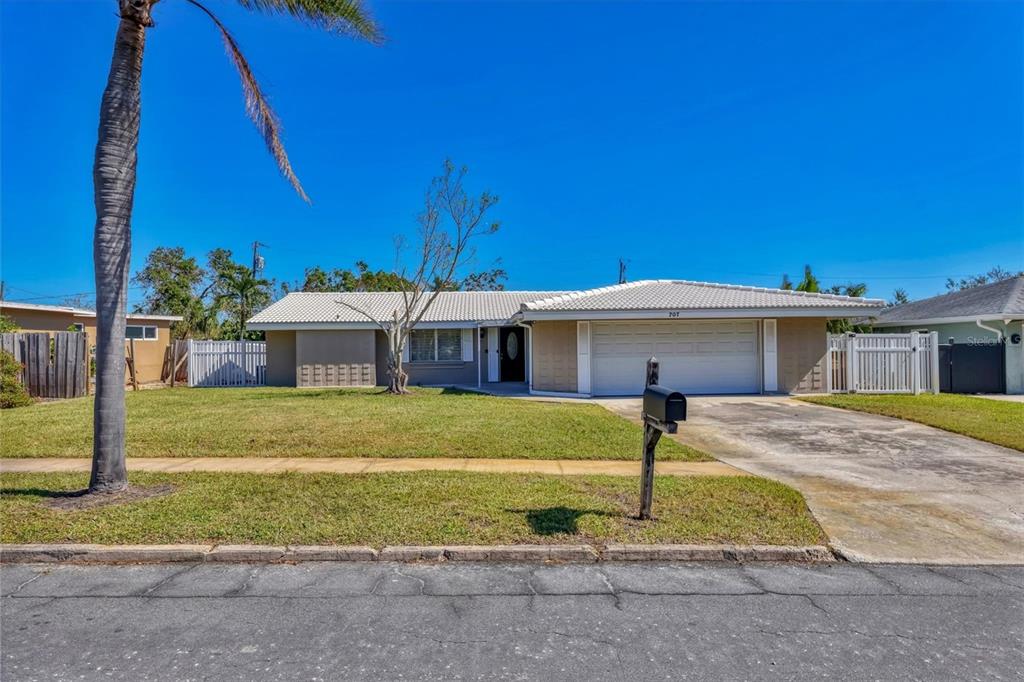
[730,142]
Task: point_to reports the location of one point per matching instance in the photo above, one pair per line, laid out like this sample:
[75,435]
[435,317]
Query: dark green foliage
[12,392]
[899,297]
[361,279]
[208,298]
[173,281]
[487,280]
[239,294]
[810,284]
[996,274]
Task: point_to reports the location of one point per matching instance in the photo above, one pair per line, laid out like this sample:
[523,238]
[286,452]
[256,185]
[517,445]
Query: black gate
[970,368]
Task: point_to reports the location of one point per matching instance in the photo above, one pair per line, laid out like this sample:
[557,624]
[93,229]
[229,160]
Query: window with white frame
[78,327]
[435,345]
[142,332]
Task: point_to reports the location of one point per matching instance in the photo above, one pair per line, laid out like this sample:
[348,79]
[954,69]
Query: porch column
[529,358]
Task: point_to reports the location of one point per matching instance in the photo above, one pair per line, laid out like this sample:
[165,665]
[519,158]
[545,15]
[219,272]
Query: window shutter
[405,349]
[467,345]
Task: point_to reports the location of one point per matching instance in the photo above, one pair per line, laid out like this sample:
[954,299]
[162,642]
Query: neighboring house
[710,338]
[152,333]
[979,316]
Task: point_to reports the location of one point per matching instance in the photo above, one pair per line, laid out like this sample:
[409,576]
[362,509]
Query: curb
[147,554]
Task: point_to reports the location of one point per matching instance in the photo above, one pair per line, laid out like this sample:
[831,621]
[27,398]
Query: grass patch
[994,421]
[290,422]
[429,508]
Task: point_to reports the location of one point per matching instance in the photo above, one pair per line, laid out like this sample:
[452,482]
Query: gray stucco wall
[281,358]
[969,332]
[334,358]
[427,373]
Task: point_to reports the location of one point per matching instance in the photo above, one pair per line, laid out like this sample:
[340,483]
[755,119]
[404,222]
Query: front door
[513,354]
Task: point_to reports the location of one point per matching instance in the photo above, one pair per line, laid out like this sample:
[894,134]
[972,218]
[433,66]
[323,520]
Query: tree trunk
[114,193]
[397,378]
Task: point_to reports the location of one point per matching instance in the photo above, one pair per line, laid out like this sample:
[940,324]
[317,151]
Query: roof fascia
[338,326]
[732,313]
[989,317]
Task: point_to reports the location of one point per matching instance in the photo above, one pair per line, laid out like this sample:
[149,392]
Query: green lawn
[290,422]
[994,421]
[428,508]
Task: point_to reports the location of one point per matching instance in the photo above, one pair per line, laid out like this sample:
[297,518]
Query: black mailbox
[664,404]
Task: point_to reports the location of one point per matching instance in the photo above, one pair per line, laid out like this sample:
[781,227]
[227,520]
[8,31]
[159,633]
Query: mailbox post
[662,409]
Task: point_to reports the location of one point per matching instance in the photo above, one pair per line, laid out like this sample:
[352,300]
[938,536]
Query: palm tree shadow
[557,520]
[41,492]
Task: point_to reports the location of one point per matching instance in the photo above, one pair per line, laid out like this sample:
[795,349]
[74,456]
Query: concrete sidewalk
[352,465]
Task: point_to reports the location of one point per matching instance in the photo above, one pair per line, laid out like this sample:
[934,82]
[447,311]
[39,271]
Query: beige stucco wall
[554,356]
[149,353]
[281,367]
[46,320]
[802,344]
[335,358]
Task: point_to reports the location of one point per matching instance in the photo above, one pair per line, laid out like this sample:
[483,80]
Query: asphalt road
[608,621]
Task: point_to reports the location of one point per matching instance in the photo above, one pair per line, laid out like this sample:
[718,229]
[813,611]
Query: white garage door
[696,357]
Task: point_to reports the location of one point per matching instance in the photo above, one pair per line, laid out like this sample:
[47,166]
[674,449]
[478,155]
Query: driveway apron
[885,490]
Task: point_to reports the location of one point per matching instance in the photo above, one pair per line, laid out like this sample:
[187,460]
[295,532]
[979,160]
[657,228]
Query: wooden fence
[883,363]
[227,363]
[175,367]
[51,369]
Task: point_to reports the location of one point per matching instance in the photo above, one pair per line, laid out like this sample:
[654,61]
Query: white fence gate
[883,363]
[227,363]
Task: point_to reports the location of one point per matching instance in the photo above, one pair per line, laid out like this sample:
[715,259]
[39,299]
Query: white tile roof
[490,306]
[666,294]
[450,306]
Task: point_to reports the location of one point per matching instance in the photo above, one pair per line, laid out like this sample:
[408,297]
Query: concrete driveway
[885,490]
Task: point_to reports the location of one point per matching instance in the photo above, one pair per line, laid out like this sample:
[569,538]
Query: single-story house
[152,333]
[985,315]
[710,338]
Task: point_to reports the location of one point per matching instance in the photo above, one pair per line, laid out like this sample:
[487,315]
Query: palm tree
[809,283]
[114,190]
[244,292]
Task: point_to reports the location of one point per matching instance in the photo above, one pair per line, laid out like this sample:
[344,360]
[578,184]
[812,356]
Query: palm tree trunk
[114,193]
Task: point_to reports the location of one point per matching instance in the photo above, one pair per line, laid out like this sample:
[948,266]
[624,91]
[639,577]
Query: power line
[26,299]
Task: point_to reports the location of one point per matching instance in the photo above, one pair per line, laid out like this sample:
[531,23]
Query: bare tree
[449,223]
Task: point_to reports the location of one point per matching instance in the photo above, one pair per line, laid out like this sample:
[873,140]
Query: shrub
[12,393]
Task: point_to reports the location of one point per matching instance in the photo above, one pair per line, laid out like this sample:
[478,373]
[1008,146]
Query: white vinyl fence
[227,363]
[883,363]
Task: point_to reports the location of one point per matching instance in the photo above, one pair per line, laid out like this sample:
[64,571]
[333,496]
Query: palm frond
[349,17]
[257,106]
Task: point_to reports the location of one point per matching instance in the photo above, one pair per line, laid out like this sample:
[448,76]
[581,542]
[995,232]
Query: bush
[12,393]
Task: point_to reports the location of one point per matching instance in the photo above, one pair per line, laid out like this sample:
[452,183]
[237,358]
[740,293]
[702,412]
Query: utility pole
[258,261]
[622,271]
